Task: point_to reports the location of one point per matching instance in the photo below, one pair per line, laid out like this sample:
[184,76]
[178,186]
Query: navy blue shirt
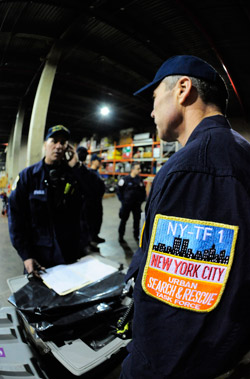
[44,214]
[131,190]
[99,184]
[207,180]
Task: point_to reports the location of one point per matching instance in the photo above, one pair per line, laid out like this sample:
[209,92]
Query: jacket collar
[209,123]
[38,166]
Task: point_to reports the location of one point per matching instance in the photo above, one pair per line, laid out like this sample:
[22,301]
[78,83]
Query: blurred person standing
[131,192]
[90,182]
[95,217]
[45,207]
[4,198]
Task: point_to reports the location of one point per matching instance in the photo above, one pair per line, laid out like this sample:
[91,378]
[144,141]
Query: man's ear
[184,86]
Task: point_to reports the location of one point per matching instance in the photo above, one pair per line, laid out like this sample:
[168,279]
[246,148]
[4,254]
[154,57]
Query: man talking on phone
[45,207]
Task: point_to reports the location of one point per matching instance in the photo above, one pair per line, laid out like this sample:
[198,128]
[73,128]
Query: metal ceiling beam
[218,54]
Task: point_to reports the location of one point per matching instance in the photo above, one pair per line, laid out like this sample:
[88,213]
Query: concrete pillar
[40,107]
[16,143]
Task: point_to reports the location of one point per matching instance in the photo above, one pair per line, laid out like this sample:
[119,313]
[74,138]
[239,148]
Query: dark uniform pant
[124,215]
[94,217]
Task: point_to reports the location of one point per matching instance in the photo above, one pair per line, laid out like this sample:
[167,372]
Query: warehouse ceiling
[109,49]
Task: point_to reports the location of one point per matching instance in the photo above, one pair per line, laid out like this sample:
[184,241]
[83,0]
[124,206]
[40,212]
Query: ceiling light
[104,111]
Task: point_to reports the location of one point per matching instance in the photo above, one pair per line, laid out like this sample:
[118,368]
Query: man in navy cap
[45,207]
[192,270]
[132,193]
[90,184]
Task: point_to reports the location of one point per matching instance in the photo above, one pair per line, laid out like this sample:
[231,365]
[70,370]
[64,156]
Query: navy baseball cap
[56,129]
[95,157]
[188,65]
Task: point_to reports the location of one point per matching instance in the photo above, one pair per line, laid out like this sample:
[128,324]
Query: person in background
[192,270]
[131,192]
[95,216]
[89,182]
[45,207]
[4,197]
[82,153]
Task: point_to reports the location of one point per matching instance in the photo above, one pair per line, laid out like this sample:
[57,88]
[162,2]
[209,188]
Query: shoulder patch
[121,182]
[188,262]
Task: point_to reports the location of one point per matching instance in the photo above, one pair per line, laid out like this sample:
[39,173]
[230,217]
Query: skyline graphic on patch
[188,262]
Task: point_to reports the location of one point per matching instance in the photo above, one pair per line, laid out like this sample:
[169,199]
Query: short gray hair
[210,93]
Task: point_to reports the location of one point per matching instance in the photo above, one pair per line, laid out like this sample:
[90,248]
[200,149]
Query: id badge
[189,262]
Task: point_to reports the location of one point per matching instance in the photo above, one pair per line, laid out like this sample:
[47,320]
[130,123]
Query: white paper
[67,278]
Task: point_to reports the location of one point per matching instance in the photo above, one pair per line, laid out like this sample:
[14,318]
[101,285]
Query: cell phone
[68,153]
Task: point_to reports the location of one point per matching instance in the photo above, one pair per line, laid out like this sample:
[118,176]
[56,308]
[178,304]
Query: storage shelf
[143,159]
[136,144]
[123,173]
[162,149]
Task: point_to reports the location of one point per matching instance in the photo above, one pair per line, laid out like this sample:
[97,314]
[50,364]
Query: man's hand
[33,267]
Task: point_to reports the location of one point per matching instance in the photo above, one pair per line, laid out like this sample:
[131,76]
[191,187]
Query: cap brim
[147,91]
[62,132]
[67,135]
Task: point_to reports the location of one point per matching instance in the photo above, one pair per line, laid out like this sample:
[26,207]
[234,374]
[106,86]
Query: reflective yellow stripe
[119,331]
[67,188]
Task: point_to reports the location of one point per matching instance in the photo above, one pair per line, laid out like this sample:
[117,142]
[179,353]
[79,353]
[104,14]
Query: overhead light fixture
[104,111]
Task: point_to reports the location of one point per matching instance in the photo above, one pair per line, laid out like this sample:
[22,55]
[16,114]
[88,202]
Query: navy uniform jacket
[44,228]
[207,180]
[99,185]
[131,190]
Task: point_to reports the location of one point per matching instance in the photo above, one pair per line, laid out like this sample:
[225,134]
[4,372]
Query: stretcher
[25,352]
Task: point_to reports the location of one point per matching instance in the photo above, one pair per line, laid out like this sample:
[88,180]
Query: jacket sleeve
[134,265]
[18,219]
[143,192]
[102,187]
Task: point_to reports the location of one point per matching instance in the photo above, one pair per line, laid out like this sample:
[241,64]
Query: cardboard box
[126,136]
[127,152]
[147,154]
[125,140]
[156,153]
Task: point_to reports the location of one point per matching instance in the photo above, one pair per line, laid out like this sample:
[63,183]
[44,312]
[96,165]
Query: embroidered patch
[121,182]
[188,262]
[39,192]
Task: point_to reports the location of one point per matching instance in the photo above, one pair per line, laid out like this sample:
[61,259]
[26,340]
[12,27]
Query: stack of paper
[64,279]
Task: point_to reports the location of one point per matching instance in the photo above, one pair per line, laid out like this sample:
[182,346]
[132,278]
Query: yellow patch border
[191,221]
[142,231]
